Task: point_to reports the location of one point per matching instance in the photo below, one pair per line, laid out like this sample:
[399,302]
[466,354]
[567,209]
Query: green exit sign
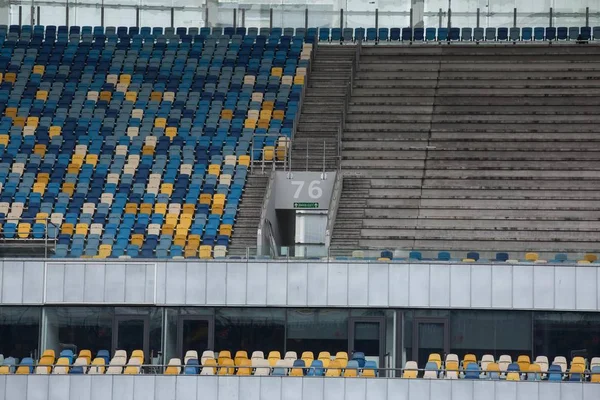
[306,205]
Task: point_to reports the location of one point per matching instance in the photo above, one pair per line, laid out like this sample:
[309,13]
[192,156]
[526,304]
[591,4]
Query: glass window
[79,328]
[155,316]
[249,329]
[566,334]
[19,331]
[317,330]
[490,332]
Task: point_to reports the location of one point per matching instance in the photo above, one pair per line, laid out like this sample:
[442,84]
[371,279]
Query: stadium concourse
[458,250]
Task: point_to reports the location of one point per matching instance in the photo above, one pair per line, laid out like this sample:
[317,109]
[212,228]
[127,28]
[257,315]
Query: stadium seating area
[136,142]
[340,365]
[473,256]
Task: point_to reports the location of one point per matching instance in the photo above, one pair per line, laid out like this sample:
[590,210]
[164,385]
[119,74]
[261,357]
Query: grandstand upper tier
[137,142]
[462,147]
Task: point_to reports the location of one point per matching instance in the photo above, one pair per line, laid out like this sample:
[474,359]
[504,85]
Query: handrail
[333,208]
[46,239]
[263,213]
[273,249]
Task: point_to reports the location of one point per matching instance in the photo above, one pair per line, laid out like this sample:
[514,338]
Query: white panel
[12,282]
[195,283]
[337,284]
[161,287]
[483,390]
[208,388]
[460,285]
[144,388]
[439,389]
[1,297]
[564,288]
[256,285]
[418,389]
[377,389]
[312,389]
[102,387]
[122,387]
[462,389]
[150,285]
[333,389]
[527,390]
[297,284]
[356,389]
[236,283]
[399,387]
[591,392]
[378,285]
[135,283]
[114,283]
[15,387]
[250,389]
[165,388]
[291,388]
[228,388]
[358,281]
[399,285]
[439,287]
[270,388]
[523,286]
[317,284]
[419,285]
[573,391]
[37,388]
[187,388]
[551,391]
[94,283]
[33,282]
[481,286]
[2,379]
[586,283]
[81,386]
[543,287]
[58,387]
[502,286]
[73,283]
[506,390]
[276,284]
[216,288]
[176,283]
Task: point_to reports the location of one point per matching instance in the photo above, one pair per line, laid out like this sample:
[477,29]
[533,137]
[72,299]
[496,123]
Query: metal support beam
[341,18]
[243,17]
[550,23]
[137,16]
[410,21]
[587,16]
[39,16]
[234,18]
[20,15]
[306,18]
[515,17]
[478,15]
[377,22]
[206,17]
[440,18]
[270,18]
[102,16]
[67,14]
[172,17]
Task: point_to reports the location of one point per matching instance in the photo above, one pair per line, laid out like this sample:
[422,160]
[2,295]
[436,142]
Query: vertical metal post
[206,17]
[440,19]
[172,17]
[515,17]
[478,11]
[38,15]
[377,22]
[306,18]
[270,18]
[341,18]
[410,20]
[324,145]
[20,15]
[243,17]
[307,154]
[449,21]
[137,16]
[67,13]
[550,23]
[32,15]
[102,16]
[587,16]
[234,18]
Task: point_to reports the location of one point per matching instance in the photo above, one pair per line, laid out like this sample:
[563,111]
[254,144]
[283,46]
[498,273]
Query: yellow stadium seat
[190,252]
[160,208]
[43,177]
[10,77]
[368,373]
[39,69]
[578,361]
[277,71]
[131,208]
[225,230]
[224,355]
[342,358]
[278,115]
[139,354]
[125,78]
[263,124]
[41,95]
[205,198]
[273,357]
[513,376]
[148,150]
[146,208]
[410,370]
[595,377]
[4,140]
[4,370]
[171,219]
[299,80]
[131,96]
[524,361]
[219,199]
[250,123]
[171,132]
[160,122]
[214,169]
[268,153]
[91,159]
[166,188]
[582,262]
[105,95]
[39,149]
[244,367]
[167,229]
[24,230]
[104,251]
[81,229]
[45,365]
[19,121]
[174,367]
[155,96]
[87,354]
[33,121]
[532,256]
[39,187]
[590,257]
[325,358]
[10,112]
[67,229]
[41,218]
[227,114]
[62,366]
[334,369]
[54,131]
[23,370]
[188,209]
[137,239]
[206,252]
[468,359]
[308,357]
[239,356]
[244,160]
[436,358]
[265,114]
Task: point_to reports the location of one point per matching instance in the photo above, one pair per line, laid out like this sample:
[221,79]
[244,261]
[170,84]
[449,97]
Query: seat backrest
[431,370]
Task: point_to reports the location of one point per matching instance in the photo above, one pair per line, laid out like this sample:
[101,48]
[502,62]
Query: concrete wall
[297,284]
[150,387]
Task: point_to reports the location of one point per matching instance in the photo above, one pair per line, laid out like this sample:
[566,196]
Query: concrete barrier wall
[298,284]
[152,387]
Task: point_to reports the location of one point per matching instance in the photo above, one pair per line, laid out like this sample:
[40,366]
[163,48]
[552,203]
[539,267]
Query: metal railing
[17,241]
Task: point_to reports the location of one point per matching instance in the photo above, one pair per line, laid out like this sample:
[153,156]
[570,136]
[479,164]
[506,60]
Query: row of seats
[387,255]
[324,34]
[505,368]
[139,147]
[459,34]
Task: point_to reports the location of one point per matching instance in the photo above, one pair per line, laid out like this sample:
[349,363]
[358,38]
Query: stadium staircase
[243,238]
[322,109]
[472,148]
